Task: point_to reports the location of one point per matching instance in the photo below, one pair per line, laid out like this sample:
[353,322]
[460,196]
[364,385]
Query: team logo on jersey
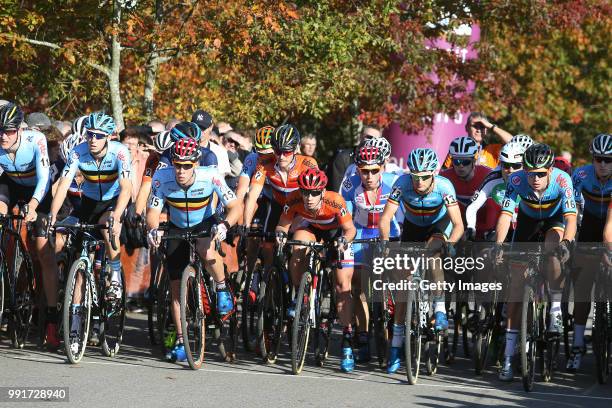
[347,184]
[582,174]
[248,162]
[342,212]
[474,197]
[561,181]
[74,156]
[286,208]
[157,184]
[516,180]
[258,175]
[569,193]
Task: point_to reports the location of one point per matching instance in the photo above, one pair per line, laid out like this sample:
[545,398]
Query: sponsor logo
[516,180]
[258,175]
[568,193]
[347,184]
[582,174]
[561,181]
[342,212]
[157,184]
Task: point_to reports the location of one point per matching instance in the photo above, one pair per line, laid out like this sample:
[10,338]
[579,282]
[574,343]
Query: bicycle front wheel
[24,297]
[76,311]
[529,337]
[193,316]
[602,339]
[301,324]
[112,320]
[412,341]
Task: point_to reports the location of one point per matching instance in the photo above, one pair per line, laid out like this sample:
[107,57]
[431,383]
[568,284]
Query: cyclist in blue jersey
[106,189]
[25,178]
[187,191]
[546,209]
[592,189]
[366,194]
[184,130]
[432,216]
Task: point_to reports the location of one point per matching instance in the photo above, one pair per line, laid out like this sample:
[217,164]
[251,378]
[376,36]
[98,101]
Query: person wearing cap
[38,121]
[205,123]
[233,142]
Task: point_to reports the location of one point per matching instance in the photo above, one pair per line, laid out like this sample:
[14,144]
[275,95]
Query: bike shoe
[394,360]
[441,321]
[573,362]
[348,362]
[178,353]
[506,374]
[363,353]
[225,303]
[53,341]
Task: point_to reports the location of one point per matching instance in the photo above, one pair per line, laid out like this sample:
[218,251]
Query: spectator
[135,137]
[567,156]
[54,137]
[38,121]
[172,123]
[64,127]
[234,143]
[205,122]
[156,126]
[308,145]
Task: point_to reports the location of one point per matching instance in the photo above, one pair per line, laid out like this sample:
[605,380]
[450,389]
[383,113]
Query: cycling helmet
[463,146]
[538,156]
[421,160]
[11,117]
[79,125]
[562,164]
[162,141]
[263,138]
[312,179]
[286,138]
[368,156]
[511,152]
[68,144]
[602,145]
[101,121]
[186,150]
[186,129]
[522,139]
[381,144]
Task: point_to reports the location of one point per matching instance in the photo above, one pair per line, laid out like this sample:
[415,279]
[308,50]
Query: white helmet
[512,152]
[463,146]
[79,125]
[162,141]
[381,143]
[522,139]
[68,144]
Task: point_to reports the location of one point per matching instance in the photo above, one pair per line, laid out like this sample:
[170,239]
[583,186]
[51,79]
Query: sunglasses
[284,154]
[95,135]
[421,178]
[183,166]
[478,126]
[373,172]
[313,193]
[601,159]
[463,162]
[515,166]
[537,174]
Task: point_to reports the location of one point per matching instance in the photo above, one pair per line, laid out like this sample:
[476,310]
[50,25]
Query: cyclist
[384,147]
[432,216]
[106,189]
[465,175]
[25,178]
[546,207]
[277,179]
[592,189]
[188,190]
[492,191]
[324,217]
[187,130]
[366,194]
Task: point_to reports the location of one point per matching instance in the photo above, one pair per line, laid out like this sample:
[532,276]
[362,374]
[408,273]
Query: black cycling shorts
[12,193]
[530,229]
[177,251]
[272,216]
[416,233]
[591,229]
[262,210]
[92,210]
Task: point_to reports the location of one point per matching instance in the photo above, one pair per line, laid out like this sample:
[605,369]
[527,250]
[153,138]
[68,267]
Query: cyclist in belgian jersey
[366,194]
[106,189]
[546,208]
[25,163]
[188,192]
[323,217]
[432,216]
[592,189]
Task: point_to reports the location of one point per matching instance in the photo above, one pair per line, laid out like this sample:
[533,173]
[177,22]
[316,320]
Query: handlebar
[190,236]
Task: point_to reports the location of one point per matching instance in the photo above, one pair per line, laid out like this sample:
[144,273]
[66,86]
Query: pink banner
[445,128]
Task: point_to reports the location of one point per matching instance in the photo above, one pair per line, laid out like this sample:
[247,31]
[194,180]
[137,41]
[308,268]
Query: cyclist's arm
[68,175]
[155,206]
[228,200]
[503,226]
[143,195]
[242,187]
[607,235]
[348,230]
[384,226]
[42,173]
[471,212]
[568,205]
[125,182]
[454,213]
[285,222]
[251,202]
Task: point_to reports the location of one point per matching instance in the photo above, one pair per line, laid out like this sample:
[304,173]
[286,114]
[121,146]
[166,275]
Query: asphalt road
[139,377]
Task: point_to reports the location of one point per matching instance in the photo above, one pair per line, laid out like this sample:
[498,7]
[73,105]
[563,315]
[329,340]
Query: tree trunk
[114,82]
[149,86]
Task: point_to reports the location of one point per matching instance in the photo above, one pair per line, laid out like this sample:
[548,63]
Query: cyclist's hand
[241,231]
[451,251]
[341,244]
[498,254]
[154,237]
[281,238]
[470,234]
[563,250]
[30,216]
[383,249]
[51,219]
[114,221]
[131,217]
[219,232]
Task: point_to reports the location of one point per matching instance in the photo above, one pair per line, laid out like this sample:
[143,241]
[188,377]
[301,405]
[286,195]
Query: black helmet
[286,138]
[11,117]
[538,156]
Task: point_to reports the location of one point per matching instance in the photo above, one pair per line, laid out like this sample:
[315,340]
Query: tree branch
[101,68]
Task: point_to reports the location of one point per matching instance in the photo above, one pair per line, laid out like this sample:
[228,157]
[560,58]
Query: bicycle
[83,283]
[158,298]
[21,282]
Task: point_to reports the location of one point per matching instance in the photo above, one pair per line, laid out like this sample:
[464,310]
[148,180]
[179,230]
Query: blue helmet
[101,121]
[420,160]
[185,129]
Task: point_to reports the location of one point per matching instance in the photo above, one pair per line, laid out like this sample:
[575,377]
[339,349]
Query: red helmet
[312,179]
[186,150]
[562,164]
[368,156]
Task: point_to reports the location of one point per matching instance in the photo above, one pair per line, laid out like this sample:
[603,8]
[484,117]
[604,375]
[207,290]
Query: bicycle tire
[155,337]
[270,316]
[483,337]
[193,316]
[432,354]
[112,320]
[162,312]
[413,334]
[301,324]
[381,316]
[249,312]
[79,267]
[324,323]
[22,306]
[601,340]
[529,338]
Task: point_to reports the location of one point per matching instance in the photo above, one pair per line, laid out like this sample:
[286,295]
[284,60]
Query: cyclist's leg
[178,252]
[101,215]
[5,197]
[344,305]
[556,281]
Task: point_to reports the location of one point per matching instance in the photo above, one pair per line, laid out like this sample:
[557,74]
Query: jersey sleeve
[511,197]
[209,158]
[311,163]
[225,194]
[577,179]
[398,189]
[124,163]
[42,168]
[478,200]
[343,216]
[72,164]
[566,190]
[348,193]
[156,201]
[248,167]
[259,177]
[150,166]
[448,193]
[289,212]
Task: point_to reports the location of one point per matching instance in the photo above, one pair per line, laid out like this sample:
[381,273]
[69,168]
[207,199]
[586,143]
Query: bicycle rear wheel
[270,315]
[325,317]
[529,337]
[484,333]
[193,316]
[412,341]
[153,303]
[78,313]
[602,340]
[301,324]
[381,319]
[24,297]
[112,319]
